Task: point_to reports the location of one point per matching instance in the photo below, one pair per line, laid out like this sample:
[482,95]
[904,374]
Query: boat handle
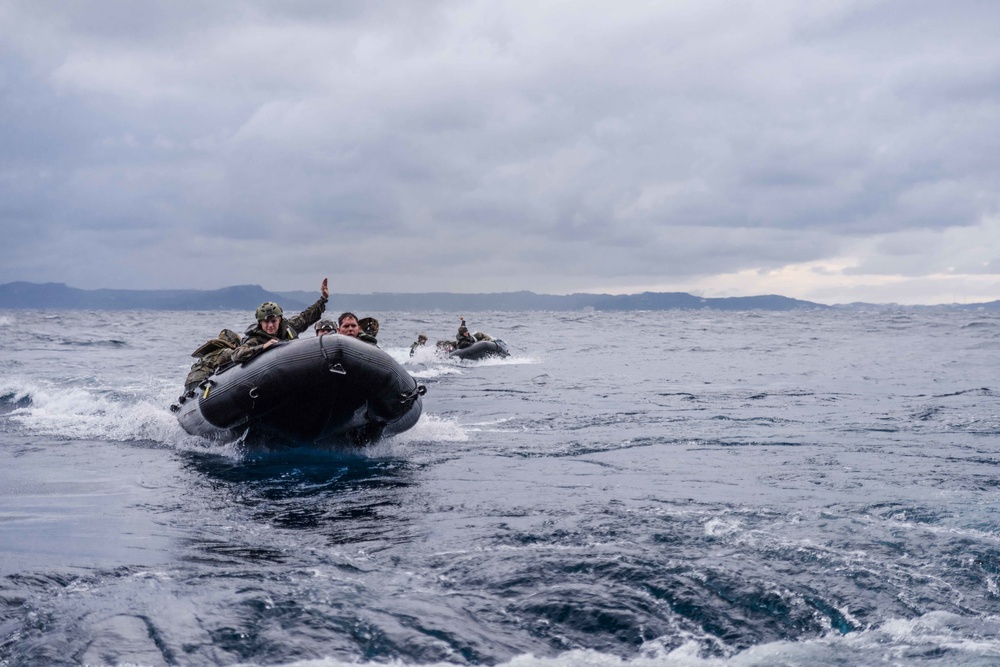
[338,369]
[255,392]
[412,396]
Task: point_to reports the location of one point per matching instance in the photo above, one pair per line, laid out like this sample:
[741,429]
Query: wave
[81,413]
[12,400]
[934,638]
[112,343]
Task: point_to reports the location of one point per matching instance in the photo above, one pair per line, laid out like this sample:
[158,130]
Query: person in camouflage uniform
[348,325]
[213,354]
[421,340]
[369,330]
[272,326]
[479,335]
[464,338]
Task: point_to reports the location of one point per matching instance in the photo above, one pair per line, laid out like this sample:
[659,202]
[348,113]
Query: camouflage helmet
[463,329]
[230,337]
[268,309]
[422,338]
[325,325]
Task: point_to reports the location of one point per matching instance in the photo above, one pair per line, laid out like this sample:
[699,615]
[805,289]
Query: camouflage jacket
[289,329]
[205,366]
[368,338]
[464,341]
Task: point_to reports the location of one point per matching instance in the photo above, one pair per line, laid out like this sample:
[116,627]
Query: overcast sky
[830,150]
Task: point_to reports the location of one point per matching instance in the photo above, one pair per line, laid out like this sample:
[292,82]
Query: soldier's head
[421,338]
[347,324]
[325,327]
[463,330]
[269,317]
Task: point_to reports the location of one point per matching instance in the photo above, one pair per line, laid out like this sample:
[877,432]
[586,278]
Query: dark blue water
[679,488]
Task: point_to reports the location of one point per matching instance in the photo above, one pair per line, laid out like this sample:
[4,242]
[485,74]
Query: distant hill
[58,296]
[525,301]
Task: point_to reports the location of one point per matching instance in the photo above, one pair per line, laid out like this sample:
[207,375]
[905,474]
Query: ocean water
[654,488]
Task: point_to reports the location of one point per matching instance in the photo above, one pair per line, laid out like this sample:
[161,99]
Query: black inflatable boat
[323,390]
[481,350]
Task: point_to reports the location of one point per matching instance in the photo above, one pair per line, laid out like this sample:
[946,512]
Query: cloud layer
[832,150]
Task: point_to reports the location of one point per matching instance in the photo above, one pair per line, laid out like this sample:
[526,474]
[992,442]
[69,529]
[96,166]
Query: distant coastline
[59,296]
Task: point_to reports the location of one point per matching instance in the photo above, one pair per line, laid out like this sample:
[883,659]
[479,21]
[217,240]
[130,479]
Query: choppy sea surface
[685,488]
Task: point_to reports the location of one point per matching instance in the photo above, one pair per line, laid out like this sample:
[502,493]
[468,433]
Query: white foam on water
[431,428]
[502,361]
[435,372]
[86,413]
[493,426]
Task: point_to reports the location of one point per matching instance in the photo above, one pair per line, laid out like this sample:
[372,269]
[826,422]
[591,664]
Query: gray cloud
[469,146]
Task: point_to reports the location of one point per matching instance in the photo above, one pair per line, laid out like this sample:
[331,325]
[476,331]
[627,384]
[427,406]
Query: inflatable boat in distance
[481,350]
[330,390]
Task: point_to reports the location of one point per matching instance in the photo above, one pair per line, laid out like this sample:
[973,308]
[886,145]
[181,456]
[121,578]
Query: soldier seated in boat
[369,330]
[213,354]
[464,338]
[272,326]
[348,325]
[479,335]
